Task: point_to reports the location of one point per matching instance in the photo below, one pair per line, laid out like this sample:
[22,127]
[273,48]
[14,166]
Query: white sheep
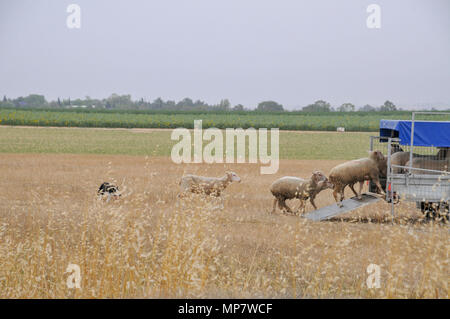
[212,186]
[360,170]
[289,187]
[426,163]
[402,158]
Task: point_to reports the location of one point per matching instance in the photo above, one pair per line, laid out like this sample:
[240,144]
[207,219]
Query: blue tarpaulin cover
[426,133]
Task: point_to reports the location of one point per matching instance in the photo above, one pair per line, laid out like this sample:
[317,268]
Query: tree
[185,103]
[171,104]
[141,104]
[368,108]
[35,100]
[224,105]
[270,106]
[199,103]
[318,106]
[116,101]
[238,107]
[346,107]
[88,101]
[6,102]
[32,100]
[388,106]
[158,103]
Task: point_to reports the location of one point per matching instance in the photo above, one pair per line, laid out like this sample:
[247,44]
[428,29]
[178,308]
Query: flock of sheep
[289,187]
[370,168]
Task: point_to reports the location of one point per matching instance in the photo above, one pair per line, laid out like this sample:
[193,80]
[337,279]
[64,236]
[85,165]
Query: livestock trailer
[426,182]
[423,176]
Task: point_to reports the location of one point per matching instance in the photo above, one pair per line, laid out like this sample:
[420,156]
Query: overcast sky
[290,51]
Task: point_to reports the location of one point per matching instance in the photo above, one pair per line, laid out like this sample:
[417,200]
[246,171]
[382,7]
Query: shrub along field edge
[325,121]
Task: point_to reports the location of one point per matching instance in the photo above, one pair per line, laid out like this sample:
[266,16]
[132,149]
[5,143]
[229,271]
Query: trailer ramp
[349,205]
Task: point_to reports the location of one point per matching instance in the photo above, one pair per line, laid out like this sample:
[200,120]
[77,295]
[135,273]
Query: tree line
[125,102]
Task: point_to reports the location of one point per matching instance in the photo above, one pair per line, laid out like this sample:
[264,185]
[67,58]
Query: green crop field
[352,121]
[293,145]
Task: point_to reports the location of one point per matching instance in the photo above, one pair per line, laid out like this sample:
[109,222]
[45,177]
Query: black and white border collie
[108,190]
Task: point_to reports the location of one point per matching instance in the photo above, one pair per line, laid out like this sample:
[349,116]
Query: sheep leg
[283,204]
[361,184]
[288,209]
[335,193]
[280,206]
[301,208]
[274,208]
[377,183]
[358,195]
[342,196]
[353,190]
[342,193]
[222,201]
[312,202]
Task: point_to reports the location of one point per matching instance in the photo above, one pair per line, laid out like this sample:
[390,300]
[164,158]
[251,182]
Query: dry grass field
[150,244]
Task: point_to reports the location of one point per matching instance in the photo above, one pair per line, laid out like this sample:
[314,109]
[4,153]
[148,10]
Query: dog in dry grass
[109,191]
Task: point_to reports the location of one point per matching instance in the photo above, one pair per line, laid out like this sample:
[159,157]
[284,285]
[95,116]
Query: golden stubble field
[149,244]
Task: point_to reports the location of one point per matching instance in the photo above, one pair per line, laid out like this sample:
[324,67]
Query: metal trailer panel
[349,205]
[422,188]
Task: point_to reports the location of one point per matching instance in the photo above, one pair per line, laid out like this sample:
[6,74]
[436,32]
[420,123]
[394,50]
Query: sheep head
[319,178]
[376,156]
[233,177]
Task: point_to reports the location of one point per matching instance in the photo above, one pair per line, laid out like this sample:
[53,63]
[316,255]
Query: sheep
[427,163]
[443,153]
[212,186]
[396,148]
[360,170]
[289,187]
[402,158]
